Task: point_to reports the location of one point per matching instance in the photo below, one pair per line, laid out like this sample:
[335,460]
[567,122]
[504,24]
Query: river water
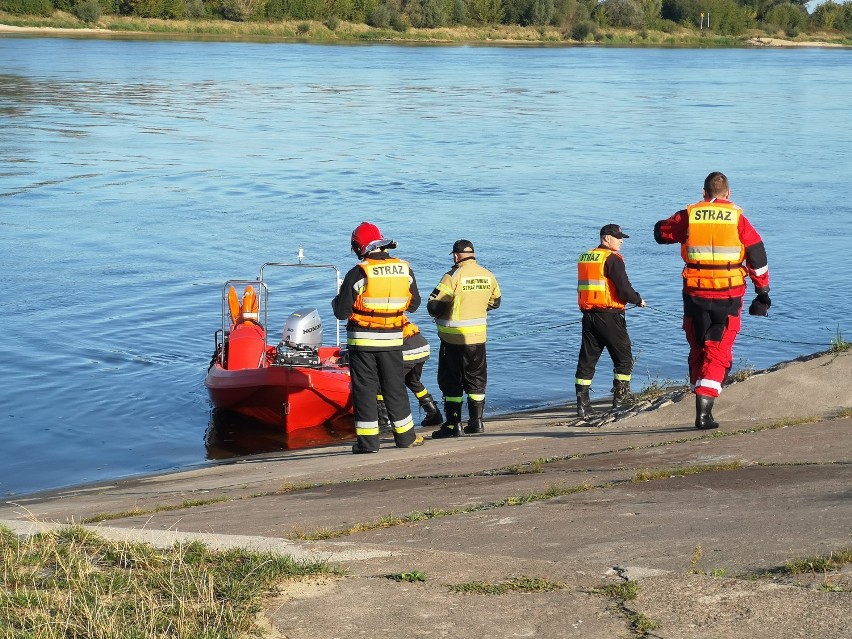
[137,176]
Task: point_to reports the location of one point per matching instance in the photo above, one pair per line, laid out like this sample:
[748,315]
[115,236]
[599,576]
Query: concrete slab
[787,497]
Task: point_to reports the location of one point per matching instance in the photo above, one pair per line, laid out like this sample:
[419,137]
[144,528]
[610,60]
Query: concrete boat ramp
[702,522]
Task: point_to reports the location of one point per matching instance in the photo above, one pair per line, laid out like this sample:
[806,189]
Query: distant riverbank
[64,25]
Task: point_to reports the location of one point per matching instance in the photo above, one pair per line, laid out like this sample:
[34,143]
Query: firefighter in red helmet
[720,248]
[374,297]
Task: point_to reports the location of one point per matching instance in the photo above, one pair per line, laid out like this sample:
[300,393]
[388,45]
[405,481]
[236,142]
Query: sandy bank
[7,28]
[778,42]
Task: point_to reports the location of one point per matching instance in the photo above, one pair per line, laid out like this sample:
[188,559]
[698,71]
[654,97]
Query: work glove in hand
[760,305]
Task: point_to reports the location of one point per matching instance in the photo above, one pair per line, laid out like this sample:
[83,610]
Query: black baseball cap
[462,246]
[614,230]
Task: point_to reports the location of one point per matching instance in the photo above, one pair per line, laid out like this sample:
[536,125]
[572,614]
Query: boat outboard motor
[301,339]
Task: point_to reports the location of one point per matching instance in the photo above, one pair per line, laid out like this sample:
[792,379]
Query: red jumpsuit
[712,307]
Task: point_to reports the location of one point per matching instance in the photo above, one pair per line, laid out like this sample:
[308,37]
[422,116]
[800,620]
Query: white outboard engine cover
[303,330]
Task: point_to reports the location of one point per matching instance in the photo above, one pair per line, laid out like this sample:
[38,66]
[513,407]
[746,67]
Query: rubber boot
[704,413]
[475,410]
[384,419]
[433,415]
[584,403]
[620,393]
[452,427]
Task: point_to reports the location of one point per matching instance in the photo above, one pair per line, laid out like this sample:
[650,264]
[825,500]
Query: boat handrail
[337,281]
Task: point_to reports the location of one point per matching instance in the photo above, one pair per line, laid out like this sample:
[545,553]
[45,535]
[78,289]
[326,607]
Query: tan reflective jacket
[466,293]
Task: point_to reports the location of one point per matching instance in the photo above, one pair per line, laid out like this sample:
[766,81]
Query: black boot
[704,413]
[452,427]
[620,393]
[384,419]
[475,410]
[433,415]
[584,404]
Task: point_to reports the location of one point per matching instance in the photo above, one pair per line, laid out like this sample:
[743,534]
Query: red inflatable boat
[296,385]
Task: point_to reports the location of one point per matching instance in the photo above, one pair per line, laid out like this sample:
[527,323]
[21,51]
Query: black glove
[760,305]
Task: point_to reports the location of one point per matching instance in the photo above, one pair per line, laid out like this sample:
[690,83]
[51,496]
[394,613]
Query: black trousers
[462,368]
[413,372]
[374,373]
[604,330]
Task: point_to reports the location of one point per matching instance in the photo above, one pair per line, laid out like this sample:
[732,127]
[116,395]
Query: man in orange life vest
[373,298]
[716,238]
[603,289]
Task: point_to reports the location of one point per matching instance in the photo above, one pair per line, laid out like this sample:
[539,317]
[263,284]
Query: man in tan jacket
[460,304]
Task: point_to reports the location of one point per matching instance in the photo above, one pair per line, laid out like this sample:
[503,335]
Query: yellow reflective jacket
[465,294]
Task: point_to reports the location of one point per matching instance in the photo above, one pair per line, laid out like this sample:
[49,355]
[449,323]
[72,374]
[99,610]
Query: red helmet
[367,237]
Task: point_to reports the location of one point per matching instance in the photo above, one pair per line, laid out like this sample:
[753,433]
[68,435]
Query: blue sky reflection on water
[138,176]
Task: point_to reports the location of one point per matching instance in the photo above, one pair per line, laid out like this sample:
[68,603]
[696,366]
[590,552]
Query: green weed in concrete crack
[742,372]
[291,487]
[818,567]
[136,512]
[621,593]
[793,421]
[411,577]
[683,471]
[782,423]
[696,557]
[657,388]
[535,466]
[823,563]
[516,584]
[624,590]
[838,344]
[388,521]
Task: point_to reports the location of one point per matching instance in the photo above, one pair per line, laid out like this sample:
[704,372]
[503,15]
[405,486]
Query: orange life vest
[246,345]
[713,252]
[383,294]
[594,290]
[409,328]
[245,311]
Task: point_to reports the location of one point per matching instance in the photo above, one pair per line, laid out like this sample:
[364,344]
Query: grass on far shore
[73,583]
[343,32]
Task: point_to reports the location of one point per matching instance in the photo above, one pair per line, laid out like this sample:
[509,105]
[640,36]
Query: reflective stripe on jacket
[415,348]
[713,251]
[594,289]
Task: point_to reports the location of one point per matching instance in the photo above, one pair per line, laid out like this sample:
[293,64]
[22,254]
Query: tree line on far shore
[577,19]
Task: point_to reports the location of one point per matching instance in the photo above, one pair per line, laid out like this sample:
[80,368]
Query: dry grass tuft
[73,583]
